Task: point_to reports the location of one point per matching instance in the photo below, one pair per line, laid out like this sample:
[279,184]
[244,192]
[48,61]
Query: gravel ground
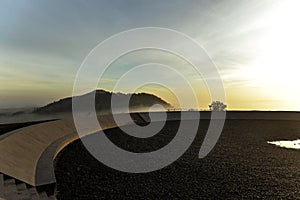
[241,166]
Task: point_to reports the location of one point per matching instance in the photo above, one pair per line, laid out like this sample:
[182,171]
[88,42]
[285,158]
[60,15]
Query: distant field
[4,128]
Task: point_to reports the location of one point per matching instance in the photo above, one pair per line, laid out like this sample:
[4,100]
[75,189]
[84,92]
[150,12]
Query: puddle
[290,144]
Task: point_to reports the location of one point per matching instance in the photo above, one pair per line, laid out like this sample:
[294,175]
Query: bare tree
[217,106]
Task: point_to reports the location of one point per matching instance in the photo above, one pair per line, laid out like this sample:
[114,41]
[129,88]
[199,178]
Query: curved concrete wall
[27,154]
[21,151]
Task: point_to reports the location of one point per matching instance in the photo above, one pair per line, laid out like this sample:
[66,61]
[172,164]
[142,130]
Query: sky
[254,44]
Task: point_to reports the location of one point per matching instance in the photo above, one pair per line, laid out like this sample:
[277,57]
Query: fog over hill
[139,101]
[63,107]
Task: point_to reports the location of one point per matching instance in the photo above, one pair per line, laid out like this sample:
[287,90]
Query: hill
[138,102]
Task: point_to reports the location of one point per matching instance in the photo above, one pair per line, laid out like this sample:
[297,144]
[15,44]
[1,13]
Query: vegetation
[217,106]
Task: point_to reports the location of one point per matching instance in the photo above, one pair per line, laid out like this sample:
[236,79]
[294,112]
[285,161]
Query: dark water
[241,166]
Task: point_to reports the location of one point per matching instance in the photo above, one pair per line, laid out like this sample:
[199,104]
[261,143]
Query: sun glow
[277,69]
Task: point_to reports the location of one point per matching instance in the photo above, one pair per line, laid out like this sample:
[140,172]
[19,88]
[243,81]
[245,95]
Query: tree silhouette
[217,106]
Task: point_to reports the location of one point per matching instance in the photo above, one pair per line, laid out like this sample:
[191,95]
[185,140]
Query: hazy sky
[255,45]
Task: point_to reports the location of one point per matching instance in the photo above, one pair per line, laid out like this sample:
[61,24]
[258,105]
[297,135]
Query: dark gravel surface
[241,166]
